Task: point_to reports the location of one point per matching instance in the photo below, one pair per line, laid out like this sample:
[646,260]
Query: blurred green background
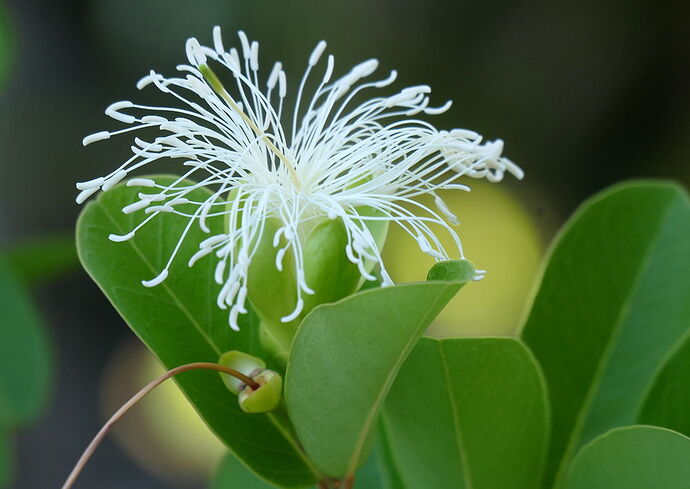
[584,94]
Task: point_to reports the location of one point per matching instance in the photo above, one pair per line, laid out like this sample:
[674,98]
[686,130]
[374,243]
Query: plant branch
[138,397]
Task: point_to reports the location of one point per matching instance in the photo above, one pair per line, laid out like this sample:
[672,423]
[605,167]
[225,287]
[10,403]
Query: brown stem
[349,482]
[140,395]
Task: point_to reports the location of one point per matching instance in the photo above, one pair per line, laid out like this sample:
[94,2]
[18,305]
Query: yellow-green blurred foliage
[498,235]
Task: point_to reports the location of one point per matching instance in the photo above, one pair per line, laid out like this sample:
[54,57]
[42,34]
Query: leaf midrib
[603,363]
[166,287]
[459,439]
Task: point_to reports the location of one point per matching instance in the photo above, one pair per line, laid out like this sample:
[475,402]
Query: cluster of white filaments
[340,155]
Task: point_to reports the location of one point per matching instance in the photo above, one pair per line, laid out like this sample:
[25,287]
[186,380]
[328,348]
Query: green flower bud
[272,292]
[267,397]
[327,270]
[243,363]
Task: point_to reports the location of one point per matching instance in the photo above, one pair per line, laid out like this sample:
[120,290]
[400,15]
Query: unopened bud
[242,362]
[265,391]
[267,397]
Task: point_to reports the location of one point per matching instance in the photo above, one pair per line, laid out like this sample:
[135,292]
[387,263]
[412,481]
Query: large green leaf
[613,302]
[25,355]
[634,457]
[668,401]
[181,323]
[468,413]
[345,358]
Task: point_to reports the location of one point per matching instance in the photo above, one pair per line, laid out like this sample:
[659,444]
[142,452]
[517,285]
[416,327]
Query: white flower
[339,155]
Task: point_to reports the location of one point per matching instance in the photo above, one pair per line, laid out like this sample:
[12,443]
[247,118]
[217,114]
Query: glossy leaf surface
[344,360]
[181,323]
[468,413]
[613,303]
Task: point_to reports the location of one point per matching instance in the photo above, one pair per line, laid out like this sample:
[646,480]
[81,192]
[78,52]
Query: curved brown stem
[140,395]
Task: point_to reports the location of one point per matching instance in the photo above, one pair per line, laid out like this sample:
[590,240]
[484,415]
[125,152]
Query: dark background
[583,93]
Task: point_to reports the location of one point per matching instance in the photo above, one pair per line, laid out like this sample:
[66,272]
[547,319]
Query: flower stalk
[91,448]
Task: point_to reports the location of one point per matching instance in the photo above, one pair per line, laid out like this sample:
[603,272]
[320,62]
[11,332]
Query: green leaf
[468,413]
[180,322]
[38,261]
[634,457]
[613,302]
[25,355]
[344,359]
[668,401]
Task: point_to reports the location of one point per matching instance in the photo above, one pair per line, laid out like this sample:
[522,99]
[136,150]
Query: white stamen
[241,298]
[273,77]
[114,111]
[85,194]
[282,85]
[96,182]
[218,40]
[246,50]
[452,218]
[439,110]
[343,153]
[365,68]
[120,238]
[159,208]
[213,240]
[141,182]
[295,314]
[97,136]
[198,255]
[329,69]
[254,56]
[513,169]
[157,280]
[317,52]
[195,54]
[114,180]
[232,321]
[220,269]
[153,119]
[135,206]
